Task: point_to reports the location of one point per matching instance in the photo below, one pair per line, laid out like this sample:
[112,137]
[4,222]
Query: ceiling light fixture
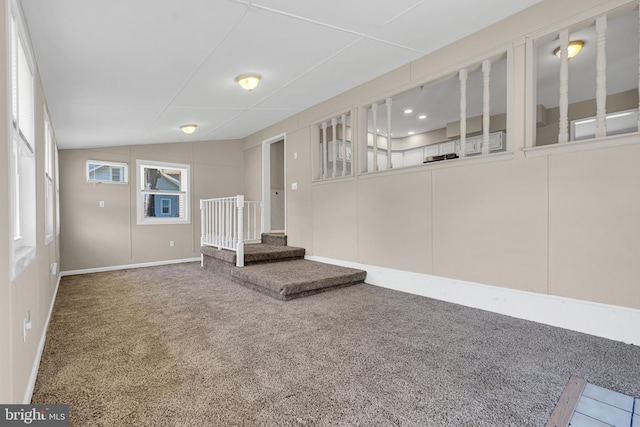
[574,48]
[422,117]
[248,81]
[408,111]
[188,129]
[412,133]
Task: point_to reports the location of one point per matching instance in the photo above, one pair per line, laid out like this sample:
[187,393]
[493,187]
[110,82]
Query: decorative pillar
[374,110]
[563,133]
[324,150]
[334,154]
[601,76]
[344,145]
[486,105]
[389,162]
[462,152]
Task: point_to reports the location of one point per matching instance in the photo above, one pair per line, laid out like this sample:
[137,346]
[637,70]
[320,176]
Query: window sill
[584,145]
[445,164]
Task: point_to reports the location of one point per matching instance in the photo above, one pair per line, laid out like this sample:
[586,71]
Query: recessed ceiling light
[422,117]
[188,129]
[408,111]
[412,133]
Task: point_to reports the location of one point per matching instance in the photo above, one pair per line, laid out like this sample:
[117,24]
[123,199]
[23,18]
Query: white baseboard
[43,338]
[607,321]
[127,266]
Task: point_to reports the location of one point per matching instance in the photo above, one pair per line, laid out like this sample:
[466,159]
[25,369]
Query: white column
[601,76]
[463,113]
[486,105]
[324,150]
[389,160]
[563,133]
[374,110]
[334,155]
[344,145]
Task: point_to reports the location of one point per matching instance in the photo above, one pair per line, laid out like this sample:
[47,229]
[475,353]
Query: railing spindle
[601,76]
[334,156]
[486,105]
[324,150]
[463,113]
[344,144]
[563,134]
[389,102]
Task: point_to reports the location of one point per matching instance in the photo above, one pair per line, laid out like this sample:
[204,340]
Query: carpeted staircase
[278,270]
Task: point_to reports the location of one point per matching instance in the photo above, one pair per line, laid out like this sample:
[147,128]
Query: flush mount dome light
[188,129]
[574,48]
[248,81]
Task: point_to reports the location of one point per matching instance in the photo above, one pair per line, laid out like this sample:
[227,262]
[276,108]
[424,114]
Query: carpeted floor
[173,345]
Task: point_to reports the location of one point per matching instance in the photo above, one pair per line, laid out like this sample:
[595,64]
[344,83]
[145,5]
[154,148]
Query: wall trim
[28,394]
[602,320]
[127,266]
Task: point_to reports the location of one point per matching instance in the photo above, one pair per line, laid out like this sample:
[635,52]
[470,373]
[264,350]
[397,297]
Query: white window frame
[48,179]
[57,175]
[22,146]
[185,190]
[118,165]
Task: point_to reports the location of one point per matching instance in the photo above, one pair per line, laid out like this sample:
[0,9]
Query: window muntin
[621,47]
[22,142]
[163,193]
[107,172]
[425,121]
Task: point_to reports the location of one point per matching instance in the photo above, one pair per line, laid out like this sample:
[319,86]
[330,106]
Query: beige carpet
[173,345]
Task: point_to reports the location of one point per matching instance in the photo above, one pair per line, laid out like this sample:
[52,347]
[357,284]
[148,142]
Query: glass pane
[163,206]
[162,179]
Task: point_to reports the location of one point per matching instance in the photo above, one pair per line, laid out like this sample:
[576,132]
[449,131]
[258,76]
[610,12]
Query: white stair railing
[229,223]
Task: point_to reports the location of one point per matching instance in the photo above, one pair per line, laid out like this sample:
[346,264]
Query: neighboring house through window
[107,172]
[163,192]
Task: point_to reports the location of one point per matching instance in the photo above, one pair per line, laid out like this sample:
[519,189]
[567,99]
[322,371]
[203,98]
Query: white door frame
[266,181]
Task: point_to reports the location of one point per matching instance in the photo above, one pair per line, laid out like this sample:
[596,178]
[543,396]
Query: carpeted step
[298,278]
[256,253]
[274,239]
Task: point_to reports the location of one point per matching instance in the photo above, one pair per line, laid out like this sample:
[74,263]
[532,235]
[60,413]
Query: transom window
[163,192]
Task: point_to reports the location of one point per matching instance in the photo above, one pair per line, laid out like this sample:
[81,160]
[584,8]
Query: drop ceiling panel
[276,46]
[355,65]
[81,126]
[442,22]
[356,15]
[249,122]
[166,128]
[120,52]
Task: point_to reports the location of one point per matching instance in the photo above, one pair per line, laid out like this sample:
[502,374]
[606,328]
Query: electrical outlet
[172,244]
[27,324]
[102,203]
[295,155]
[294,185]
[53,269]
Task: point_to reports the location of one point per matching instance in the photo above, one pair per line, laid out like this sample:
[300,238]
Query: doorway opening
[274,216]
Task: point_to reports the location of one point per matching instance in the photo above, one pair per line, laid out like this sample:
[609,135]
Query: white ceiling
[124,72]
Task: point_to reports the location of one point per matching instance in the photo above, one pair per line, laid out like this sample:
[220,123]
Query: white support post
[240,233]
[203,222]
[334,154]
[463,114]
[324,150]
[563,132]
[389,102]
[344,144]
[374,110]
[486,105]
[601,76]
